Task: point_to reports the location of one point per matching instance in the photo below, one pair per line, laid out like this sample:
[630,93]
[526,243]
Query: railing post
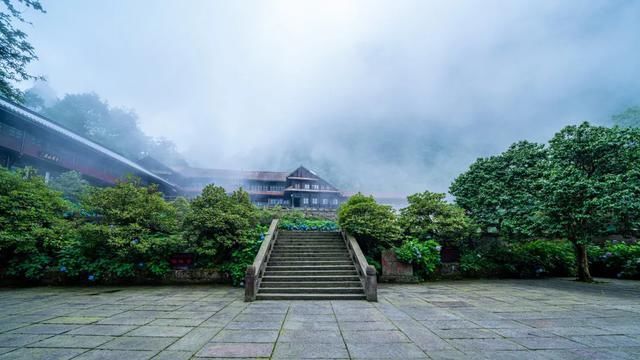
[371,285]
[250,284]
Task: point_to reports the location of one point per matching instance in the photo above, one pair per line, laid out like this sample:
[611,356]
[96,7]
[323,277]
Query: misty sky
[394,97]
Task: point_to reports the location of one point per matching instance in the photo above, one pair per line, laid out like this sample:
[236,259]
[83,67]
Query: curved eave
[41,121]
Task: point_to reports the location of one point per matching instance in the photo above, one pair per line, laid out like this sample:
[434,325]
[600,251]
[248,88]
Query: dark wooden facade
[301,188]
[29,139]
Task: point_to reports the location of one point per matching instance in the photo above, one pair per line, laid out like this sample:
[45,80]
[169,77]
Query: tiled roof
[26,114]
[223,174]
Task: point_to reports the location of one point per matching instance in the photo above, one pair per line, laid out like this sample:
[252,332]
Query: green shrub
[475,264]
[308,225]
[32,225]
[132,235]
[616,259]
[375,226]
[521,260]
[219,224]
[423,255]
[544,258]
[242,257]
[71,184]
[430,216]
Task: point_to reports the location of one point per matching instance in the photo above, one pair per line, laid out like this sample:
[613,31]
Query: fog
[389,97]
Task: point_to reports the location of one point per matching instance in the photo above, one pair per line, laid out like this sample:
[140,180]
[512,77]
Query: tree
[375,226]
[130,204]
[71,185]
[430,217]
[132,230]
[114,127]
[219,223]
[628,118]
[31,224]
[90,116]
[501,192]
[591,186]
[16,51]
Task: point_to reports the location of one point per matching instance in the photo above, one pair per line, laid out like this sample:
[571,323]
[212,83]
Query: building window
[305,201]
[314,201]
[306,186]
[315,187]
[325,201]
[335,201]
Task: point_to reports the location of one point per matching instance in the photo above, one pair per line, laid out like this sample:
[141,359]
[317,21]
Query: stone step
[311,238]
[267,278]
[312,290]
[309,246]
[309,284]
[311,251]
[290,259]
[307,262]
[309,255]
[311,267]
[260,296]
[310,242]
[308,233]
[309,272]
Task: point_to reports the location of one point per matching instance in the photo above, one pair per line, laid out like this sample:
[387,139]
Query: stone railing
[254,271]
[366,272]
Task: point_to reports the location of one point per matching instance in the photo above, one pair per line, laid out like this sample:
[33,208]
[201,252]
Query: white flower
[438,248]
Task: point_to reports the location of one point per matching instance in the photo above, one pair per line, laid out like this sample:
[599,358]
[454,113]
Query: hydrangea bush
[423,255]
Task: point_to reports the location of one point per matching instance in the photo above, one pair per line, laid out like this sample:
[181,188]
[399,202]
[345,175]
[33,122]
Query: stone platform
[509,319]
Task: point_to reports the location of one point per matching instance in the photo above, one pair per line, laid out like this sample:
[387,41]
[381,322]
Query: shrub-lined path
[510,319]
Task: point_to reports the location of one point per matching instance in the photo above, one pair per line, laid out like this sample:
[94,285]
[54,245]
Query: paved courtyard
[509,319]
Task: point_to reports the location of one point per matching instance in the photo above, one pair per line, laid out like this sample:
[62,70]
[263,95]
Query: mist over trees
[114,127]
[16,50]
[628,118]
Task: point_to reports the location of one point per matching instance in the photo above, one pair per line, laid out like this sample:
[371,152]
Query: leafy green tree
[591,186]
[116,128]
[92,117]
[430,217]
[501,193]
[31,224]
[71,185]
[219,223]
[132,231]
[129,203]
[628,118]
[16,50]
[375,226]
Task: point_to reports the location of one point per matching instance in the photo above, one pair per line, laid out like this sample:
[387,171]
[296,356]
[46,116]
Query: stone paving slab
[497,319]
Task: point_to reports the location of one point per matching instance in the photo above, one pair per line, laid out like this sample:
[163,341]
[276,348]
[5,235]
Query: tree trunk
[582,262]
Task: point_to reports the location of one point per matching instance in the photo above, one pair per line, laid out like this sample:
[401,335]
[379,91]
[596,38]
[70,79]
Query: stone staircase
[306,265]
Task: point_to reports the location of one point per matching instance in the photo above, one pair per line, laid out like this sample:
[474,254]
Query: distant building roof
[193,172]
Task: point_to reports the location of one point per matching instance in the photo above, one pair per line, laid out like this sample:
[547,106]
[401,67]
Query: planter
[393,270]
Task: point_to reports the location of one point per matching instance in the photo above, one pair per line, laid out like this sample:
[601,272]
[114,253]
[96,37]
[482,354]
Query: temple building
[30,139]
[301,188]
